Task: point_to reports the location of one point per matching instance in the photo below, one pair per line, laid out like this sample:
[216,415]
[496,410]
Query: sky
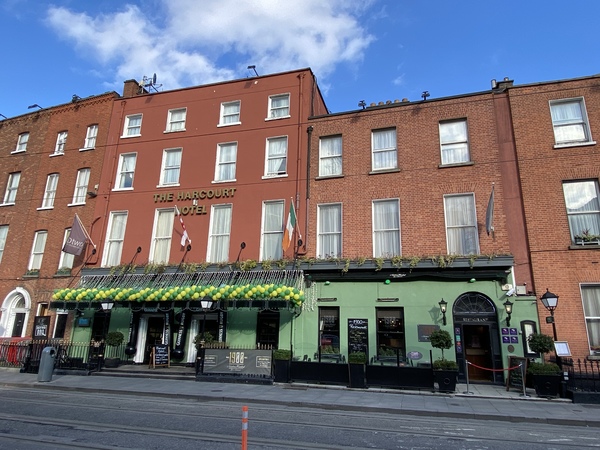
[371,50]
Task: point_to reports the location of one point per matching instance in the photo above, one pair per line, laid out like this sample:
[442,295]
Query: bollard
[244,427]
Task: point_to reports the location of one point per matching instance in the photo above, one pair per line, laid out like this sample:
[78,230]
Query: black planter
[282,371]
[111,363]
[547,385]
[446,380]
[356,375]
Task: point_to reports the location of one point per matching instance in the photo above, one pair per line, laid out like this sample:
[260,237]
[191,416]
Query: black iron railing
[584,375]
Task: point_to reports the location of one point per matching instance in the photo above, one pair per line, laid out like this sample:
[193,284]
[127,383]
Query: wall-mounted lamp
[508,308]
[92,194]
[327,283]
[443,305]
[107,306]
[387,282]
[35,105]
[472,280]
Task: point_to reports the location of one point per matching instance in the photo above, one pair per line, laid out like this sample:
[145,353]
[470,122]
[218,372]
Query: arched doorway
[477,338]
[15,313]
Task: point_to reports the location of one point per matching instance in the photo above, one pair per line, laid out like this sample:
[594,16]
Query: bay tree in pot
[113,340]
[445,372]
[357,369]
[546,375]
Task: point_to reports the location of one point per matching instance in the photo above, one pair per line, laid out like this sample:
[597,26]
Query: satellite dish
[154,79]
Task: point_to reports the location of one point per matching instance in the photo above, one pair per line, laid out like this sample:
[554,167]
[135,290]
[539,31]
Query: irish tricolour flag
[288,234]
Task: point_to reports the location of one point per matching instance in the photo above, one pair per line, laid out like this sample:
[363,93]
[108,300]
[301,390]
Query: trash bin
[47,364]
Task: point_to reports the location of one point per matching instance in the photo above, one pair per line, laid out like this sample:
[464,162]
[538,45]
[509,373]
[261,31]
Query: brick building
[52,159]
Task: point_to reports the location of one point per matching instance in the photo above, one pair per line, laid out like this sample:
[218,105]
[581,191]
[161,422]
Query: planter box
[547,385]
[356,376]
[281,370]
[446,380]
[400,377]
[319,372]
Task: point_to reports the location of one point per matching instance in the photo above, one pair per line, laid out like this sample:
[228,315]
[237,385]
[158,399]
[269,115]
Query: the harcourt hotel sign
[194,196]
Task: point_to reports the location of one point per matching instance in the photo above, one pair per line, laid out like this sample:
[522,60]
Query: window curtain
[330,231]
[583,207]
[231,113]
[3,235]
[162,236]
[90,140]
[330,162]
[172,166]
[66,259]
[386,229]
[568,122]
[272,231]
[461,225]
[227,159]
[134,125]
[11,189]
[591,307]
[127,168]
[453,138]
[221,225]
[280,106]
[37,253]
[50,193]
[83,179]
[277,156]
[115,240]
[178,120]
[384,150]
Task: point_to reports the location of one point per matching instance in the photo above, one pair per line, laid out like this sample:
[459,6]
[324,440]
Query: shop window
[60,326]
[267,329]
[391,342]
[329,332]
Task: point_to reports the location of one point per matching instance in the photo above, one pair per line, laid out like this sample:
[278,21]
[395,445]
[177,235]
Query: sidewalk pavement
[480,401]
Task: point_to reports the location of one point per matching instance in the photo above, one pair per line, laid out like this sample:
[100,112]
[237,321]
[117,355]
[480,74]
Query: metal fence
[584,375]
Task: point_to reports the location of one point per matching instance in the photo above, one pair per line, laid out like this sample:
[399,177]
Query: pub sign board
[41,327]
[231,361]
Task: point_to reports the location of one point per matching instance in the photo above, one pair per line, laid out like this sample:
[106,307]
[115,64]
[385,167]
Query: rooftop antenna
[150,83]
[362,104]
[3,116]
[35,105]
[253,68]
[424,95]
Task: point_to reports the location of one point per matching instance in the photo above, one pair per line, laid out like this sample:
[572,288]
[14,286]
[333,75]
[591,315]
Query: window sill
[174,131]
[377,172]
[584,247]
[56,154]
[76,204]
[328,177]
[228,124]
[8,204]
[277,118]
[161,186]
[45,208]
[122,189]
[85,149]
[268,177]
[574,144]
[233,180]
[14,152]
[131,136]
[32,274]
[461,164]
[62,273]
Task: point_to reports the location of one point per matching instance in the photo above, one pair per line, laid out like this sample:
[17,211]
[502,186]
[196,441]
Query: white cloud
[214,40]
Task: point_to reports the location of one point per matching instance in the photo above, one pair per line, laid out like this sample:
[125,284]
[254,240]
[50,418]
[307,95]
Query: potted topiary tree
[445,372]
[113,340]
[546,376]
[281,362]
[357,369]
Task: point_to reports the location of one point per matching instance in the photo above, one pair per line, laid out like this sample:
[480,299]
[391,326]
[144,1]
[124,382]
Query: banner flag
[489,215]
[77,238]
[184,237]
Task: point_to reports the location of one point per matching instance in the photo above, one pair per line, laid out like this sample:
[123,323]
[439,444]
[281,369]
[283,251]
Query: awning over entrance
[263,289]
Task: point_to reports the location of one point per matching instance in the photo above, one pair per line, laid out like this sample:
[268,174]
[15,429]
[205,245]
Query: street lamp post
[550,302]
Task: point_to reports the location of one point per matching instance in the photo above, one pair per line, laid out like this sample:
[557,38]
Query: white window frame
[3,237]
[61,143]
[559,124]
[123,172]
[379,230]
[278,112]
[113,246]
[37,250]
[381,150]
[66,259]
[269,157]
[582,221]
[81,186]
[12,186]
[454,143]
[470,223]
[172,168]
[168,217]
[225,116]
[22,141]
[221,163]
[129,130]
[175,125]
[330,156]
[335,232]
[50,191]
[213,235]
[591,312]
[269,208]
[90,138]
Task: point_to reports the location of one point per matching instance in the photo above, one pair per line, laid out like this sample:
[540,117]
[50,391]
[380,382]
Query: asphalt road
[44,419]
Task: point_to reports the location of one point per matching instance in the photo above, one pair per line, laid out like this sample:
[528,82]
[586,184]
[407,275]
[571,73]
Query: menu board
[358,336]
[160,355]
[515,376]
